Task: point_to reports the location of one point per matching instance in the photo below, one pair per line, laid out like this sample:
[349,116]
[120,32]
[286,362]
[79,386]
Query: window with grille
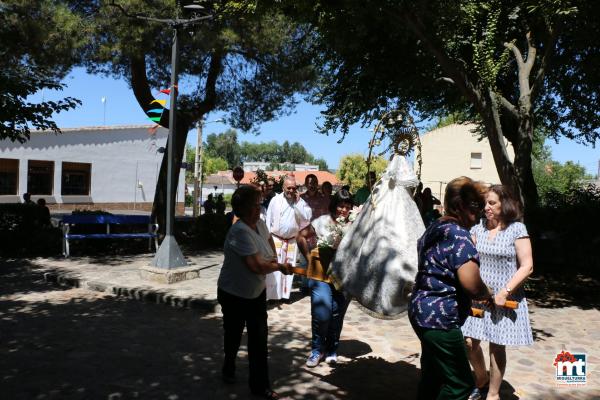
[9,176]
[76,179]
[40,177]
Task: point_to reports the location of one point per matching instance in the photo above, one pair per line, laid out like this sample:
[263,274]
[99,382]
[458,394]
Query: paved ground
[58,342]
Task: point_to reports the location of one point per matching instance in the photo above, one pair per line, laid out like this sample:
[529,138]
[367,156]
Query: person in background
[287,214]
[328,305]
[27,199]
[447,279]
[318,203]
[362,194]
[506,263]
[428,212]
[220,205]
[43,213]
[319,206]
[327,190]
[268,192]
[249,254]
[209,205]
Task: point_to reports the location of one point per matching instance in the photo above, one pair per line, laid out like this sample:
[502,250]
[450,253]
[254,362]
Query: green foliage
[225,146]
[437,57]
[483,19]
[551,177]
[281,156]
[554,178]
[247,61]
[353,170]
[562,232]
[39,43]
[212,165]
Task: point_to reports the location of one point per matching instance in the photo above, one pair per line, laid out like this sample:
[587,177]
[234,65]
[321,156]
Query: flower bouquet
[322,255]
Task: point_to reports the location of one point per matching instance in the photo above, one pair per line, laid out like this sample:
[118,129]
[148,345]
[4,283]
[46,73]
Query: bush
[564,231]
[21,234]
[209,231]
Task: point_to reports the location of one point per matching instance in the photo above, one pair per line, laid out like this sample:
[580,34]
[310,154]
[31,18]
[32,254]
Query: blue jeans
[328,307]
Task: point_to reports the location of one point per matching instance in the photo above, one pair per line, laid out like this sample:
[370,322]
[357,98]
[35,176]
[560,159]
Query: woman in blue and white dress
[506,263]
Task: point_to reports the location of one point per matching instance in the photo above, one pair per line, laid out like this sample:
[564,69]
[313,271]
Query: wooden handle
[298,270]
[513,305]
[476,312]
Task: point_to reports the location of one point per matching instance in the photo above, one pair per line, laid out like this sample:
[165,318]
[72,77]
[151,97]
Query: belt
[282,238]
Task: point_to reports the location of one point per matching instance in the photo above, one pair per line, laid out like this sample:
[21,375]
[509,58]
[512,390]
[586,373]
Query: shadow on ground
[557,290]
[69,343]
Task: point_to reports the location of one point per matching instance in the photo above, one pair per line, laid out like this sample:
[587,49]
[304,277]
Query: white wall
[446,154]
[121,157]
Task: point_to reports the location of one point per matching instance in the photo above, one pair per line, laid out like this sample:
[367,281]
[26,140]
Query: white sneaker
[331,358]
[314,359]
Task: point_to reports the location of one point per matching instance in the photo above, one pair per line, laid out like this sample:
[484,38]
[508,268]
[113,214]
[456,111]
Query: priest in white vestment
[286,216]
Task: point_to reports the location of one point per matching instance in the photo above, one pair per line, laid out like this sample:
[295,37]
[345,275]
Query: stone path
[59,342]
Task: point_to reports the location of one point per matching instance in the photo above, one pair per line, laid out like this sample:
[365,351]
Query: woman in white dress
[506,263]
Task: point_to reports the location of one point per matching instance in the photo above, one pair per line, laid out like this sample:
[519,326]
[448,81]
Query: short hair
[328,184]
[243,198]
[311,176]
[41,202]
[462,195]
[341,196]
[510,208]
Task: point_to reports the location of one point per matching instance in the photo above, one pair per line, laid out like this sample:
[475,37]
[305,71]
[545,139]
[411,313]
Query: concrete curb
[207,306]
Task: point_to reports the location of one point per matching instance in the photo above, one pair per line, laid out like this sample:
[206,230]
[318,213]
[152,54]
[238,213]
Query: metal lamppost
[169,254]
[198,166]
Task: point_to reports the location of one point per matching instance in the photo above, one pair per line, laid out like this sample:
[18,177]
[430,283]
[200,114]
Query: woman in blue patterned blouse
[506,263]
[447,280]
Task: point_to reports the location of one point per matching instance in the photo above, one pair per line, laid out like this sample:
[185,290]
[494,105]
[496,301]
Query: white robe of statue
[376,261]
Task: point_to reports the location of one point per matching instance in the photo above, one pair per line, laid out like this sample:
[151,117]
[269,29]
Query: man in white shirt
[286,216]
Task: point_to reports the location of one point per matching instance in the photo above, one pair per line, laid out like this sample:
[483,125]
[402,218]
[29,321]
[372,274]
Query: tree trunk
[522,166]
[517,175]
[159,206]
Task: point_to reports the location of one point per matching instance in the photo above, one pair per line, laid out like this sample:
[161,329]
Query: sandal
[478,393]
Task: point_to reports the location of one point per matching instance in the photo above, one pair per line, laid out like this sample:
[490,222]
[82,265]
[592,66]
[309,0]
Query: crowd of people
[477,254]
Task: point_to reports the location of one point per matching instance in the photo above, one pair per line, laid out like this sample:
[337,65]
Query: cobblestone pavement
[60,342]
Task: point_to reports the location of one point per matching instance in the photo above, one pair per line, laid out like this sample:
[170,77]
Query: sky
[121,108]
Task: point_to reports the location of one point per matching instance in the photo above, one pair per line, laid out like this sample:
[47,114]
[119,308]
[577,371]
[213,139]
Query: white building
[454,151]
[110,168]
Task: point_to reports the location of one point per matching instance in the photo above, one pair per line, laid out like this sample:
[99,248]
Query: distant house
[221,182]
[108,168]
[454,151]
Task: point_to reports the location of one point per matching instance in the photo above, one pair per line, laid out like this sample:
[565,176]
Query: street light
[198,165]
[169,255]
